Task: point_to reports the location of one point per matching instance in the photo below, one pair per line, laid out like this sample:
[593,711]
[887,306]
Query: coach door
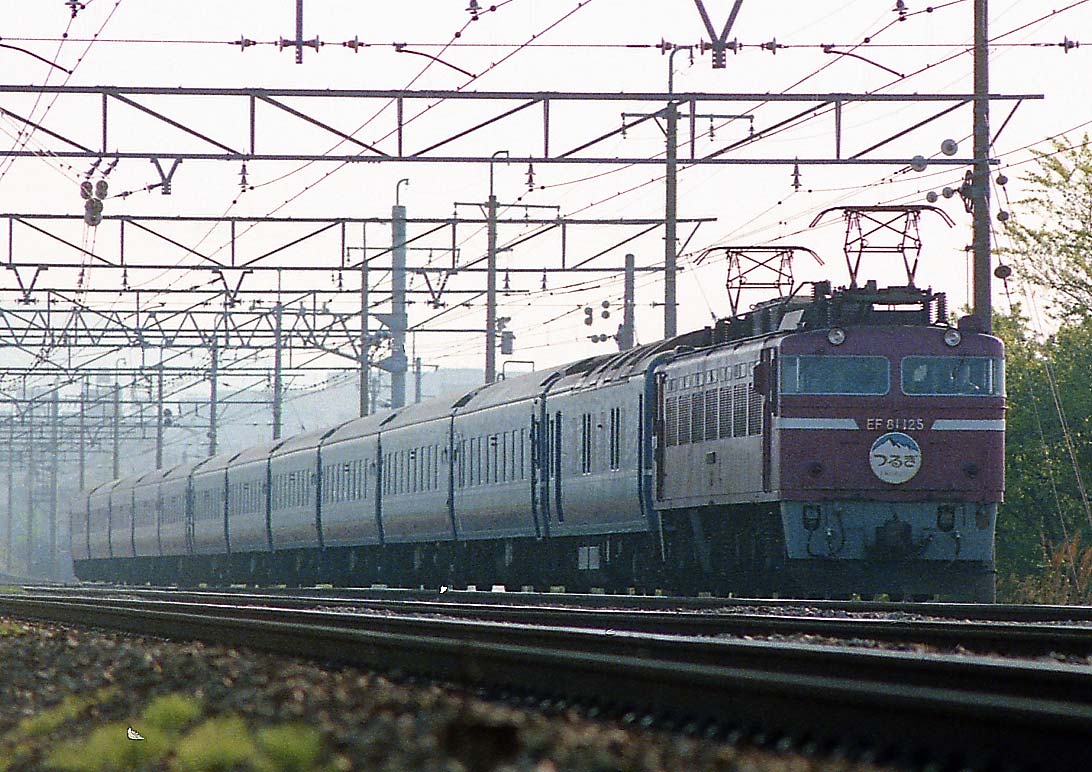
[448,459]
[538,513]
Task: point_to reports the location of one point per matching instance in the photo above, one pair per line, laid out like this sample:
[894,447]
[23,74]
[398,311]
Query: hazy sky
[577,47]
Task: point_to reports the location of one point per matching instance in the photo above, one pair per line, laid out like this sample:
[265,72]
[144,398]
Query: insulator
[86,189]
[102,187]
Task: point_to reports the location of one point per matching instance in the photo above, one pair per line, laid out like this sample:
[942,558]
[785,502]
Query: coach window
[953,376]
[834,375]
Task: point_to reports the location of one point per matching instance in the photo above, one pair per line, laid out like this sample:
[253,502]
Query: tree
[1048,463]
[1052,232]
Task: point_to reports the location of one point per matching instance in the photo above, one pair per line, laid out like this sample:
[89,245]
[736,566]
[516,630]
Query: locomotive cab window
[834,375]
[953,376]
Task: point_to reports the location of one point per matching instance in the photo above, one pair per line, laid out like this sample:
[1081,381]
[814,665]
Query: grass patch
[290,748]
[175,738]
[12,629]
[217,745]
[51,719]
[169,714]
[107,749]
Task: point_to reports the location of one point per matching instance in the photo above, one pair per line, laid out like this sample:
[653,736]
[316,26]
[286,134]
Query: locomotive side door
[768,390]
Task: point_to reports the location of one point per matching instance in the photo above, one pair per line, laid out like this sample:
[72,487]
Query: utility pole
[117,430]
[491,279]
[213,367]
[32,481]
[491,292]
[398,322]
[278,387]
[11,485]
[54,450]
[83,434]
[365,341]
[417,379]
[625,331]
[159,414]
[980,183]
[670,215]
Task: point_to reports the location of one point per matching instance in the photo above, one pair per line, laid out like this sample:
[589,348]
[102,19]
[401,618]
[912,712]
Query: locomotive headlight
[952,338]
[836,336]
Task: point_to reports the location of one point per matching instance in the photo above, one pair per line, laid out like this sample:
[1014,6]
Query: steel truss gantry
[246,126]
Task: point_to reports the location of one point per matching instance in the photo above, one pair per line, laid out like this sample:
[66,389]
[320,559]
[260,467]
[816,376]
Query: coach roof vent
[464,399]
[583,366]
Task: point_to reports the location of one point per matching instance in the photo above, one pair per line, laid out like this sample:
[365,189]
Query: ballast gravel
[366,721]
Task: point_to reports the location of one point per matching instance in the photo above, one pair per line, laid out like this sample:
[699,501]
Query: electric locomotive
[854,445]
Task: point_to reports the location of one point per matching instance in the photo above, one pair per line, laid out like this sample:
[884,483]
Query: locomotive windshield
[834,375]
[953,375]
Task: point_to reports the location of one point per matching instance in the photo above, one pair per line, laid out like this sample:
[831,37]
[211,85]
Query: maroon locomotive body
[856,443]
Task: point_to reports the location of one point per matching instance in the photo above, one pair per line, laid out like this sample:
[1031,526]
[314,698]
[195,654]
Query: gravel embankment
[68,689]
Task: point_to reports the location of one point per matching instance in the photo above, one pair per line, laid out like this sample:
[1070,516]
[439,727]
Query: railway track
[910,706]
[1014,634]
[983,612]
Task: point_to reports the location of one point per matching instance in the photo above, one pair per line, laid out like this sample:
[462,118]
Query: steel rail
[983,637]
[948,709]
[967,613]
